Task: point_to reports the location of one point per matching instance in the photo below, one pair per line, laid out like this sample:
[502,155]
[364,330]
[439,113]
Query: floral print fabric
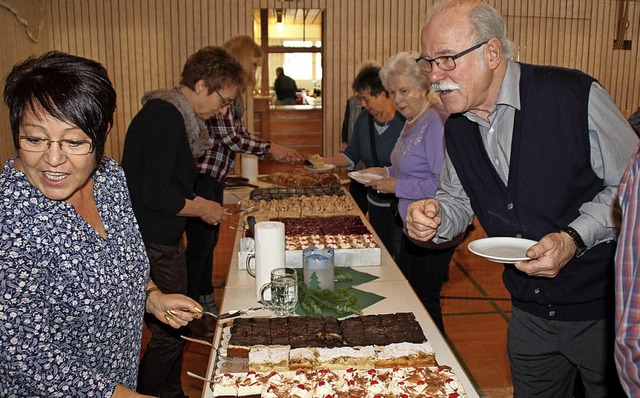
[71,302]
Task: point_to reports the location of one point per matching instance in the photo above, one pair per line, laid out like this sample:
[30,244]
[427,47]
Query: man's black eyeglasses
[445,62]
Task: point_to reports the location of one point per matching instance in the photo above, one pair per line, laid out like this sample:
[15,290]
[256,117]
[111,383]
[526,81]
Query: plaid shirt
[229,136]
[627,350]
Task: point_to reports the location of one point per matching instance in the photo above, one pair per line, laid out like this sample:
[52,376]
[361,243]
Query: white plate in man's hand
[502,249]
[363,178]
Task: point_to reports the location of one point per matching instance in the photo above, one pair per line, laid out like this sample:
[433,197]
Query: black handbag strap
[372,140]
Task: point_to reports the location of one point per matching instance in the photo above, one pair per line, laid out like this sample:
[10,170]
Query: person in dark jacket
[162,141]
[534,152]
[285,88]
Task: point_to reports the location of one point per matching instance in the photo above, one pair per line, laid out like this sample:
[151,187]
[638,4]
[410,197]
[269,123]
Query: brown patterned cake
[300,178]
[307,331]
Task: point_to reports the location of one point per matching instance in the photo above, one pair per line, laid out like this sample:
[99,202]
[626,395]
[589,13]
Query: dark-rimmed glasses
[70,147]
[445,62]
[225,101]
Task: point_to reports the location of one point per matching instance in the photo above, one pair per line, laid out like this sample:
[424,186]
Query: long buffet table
[399,297]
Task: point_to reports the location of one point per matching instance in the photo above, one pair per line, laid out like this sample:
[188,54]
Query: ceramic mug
[284,291]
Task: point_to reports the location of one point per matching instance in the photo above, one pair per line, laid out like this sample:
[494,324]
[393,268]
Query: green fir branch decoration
[340,275]
[341,301]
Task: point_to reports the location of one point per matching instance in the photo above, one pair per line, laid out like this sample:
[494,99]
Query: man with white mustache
[534,152]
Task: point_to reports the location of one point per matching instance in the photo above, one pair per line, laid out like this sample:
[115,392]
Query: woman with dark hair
[417,159]
[73,269]
[162,141]
[374,135]
[229,135]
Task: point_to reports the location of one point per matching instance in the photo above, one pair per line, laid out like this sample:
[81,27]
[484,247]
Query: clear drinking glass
[284,291]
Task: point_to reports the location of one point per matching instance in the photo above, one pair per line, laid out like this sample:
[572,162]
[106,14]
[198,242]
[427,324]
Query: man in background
[285,88]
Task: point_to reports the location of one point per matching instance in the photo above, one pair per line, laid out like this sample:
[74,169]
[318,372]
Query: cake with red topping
[436,382]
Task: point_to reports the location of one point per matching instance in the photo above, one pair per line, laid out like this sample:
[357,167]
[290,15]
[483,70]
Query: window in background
[296,46]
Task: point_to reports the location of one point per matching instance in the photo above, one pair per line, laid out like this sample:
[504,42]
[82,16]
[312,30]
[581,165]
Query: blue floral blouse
[71,302]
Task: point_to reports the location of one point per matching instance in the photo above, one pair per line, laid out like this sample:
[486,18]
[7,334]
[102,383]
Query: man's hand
[549,255]
[423,219]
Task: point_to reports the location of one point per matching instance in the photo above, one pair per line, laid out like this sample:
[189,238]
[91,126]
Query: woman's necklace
[424,108]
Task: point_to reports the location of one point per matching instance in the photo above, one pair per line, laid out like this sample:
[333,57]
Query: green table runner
[344,296]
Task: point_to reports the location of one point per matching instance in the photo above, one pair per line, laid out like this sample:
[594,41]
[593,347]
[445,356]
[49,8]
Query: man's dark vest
[550,177]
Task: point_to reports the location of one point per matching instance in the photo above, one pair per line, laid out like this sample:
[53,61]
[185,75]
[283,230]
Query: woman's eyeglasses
[70,147]
[225,101]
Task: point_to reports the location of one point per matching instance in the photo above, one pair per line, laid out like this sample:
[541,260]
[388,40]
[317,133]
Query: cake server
[195,376]
[229,314]
[246,209]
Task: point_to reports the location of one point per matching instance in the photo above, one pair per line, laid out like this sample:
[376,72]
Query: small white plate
[324,169]
[363,178]
[502,250]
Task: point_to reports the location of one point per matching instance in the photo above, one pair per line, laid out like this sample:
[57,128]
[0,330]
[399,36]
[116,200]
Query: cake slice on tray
[225,386]
[266,358]
[346,357]
[303,358]
[405,355]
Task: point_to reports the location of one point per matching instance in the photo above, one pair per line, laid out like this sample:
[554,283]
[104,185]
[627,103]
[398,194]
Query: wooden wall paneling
[562,33]
[197,22]
[545,37]
[138,30]
[99,40]
[580,34]
[144,43]
[343,65]
[577,34]
[606,47]
[107,54]
[357,42]
[616,55]
[382,26]
[113,63]
[631,66]
[554,56]
[104,43]
[165,56]
[391,30]
[332,76]
[83,34]
[533,45]
[15,46]
[414,16]
[149,39]
[597,32]
[66,25]
[129,81]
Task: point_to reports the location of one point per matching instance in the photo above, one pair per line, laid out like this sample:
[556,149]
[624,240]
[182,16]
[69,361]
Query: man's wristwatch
[581,248]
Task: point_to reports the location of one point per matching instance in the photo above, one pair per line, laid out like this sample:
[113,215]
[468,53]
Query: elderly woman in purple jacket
[417,159]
